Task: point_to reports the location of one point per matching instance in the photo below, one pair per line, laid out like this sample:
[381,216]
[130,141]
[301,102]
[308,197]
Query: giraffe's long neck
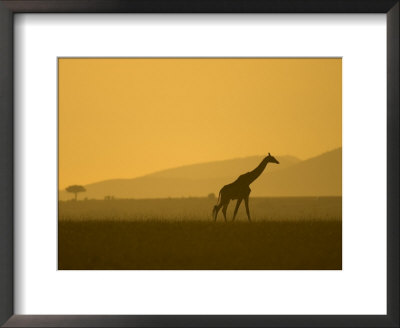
[253,175]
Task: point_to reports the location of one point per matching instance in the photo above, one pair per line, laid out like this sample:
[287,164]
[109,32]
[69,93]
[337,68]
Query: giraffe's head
[272,159]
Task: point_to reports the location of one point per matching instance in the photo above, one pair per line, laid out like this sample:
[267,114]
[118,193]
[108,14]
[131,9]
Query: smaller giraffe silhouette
[240,189]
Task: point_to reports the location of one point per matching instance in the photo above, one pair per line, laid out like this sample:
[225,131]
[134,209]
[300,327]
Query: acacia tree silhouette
[75,189]
[240,189]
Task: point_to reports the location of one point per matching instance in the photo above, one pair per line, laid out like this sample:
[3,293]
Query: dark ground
[199,245]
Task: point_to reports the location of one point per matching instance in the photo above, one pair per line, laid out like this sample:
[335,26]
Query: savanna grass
[162,234]
[199,245]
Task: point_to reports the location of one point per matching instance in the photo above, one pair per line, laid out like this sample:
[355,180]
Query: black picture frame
[10,7]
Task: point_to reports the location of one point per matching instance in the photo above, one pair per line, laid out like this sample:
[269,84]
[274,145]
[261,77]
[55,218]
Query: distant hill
[318,176]
[221,169]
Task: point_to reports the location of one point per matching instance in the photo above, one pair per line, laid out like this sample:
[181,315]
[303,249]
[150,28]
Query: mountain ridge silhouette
[317,176]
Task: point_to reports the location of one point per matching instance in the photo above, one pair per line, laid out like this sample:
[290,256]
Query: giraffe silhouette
[240,189]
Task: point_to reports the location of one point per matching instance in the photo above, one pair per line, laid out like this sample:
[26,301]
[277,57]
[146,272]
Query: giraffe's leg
[239,201]
[224,210]
[246,202]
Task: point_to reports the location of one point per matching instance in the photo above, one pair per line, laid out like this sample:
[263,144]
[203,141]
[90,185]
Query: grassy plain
[179,234]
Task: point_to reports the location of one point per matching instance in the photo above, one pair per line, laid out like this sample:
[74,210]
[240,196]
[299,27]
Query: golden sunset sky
[123,118]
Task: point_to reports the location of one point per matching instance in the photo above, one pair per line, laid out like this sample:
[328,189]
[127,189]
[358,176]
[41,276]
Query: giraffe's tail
[219,198]
[214,211]
[215,208]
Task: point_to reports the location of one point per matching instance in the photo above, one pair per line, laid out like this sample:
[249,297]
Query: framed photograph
[201,120]
[199,164]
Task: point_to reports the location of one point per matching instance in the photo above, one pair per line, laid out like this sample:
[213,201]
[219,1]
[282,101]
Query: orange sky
[123,118]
